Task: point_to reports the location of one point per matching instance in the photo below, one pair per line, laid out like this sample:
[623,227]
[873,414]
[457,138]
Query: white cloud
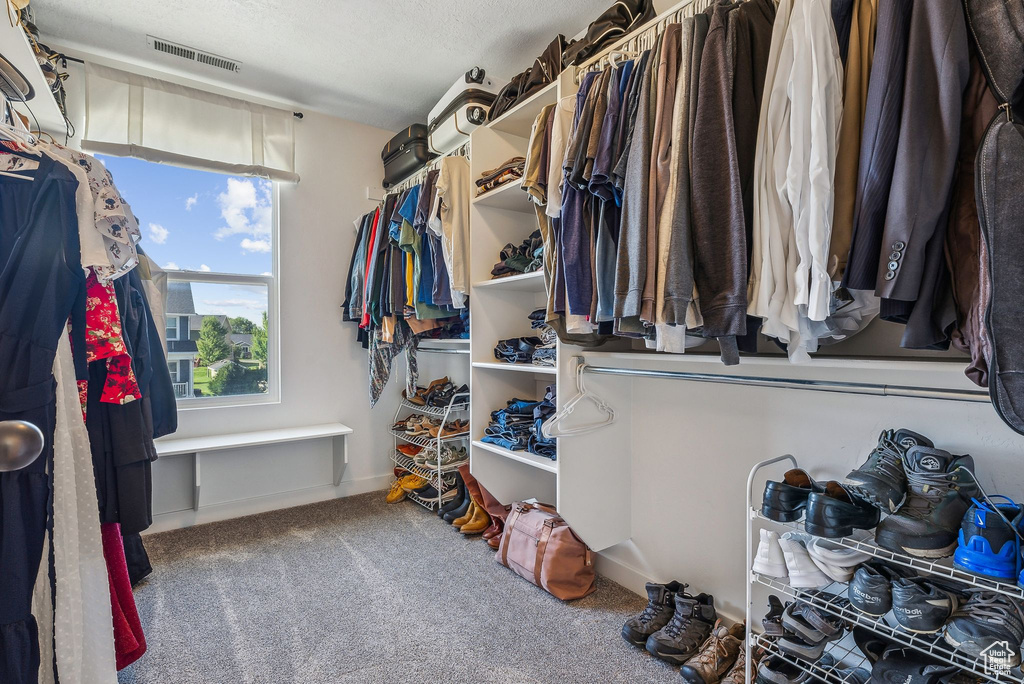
[246,208]
[255,245]
[204,268]
[171,266]
[191,202]
[158,233]
[267,273]
[221,304]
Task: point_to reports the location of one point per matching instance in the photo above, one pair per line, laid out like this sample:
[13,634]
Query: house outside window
[216,237]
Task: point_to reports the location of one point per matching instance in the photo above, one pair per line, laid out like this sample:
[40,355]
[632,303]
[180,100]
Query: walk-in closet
[589,341]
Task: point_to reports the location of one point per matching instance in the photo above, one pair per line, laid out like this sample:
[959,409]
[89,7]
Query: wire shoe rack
[441,477]
[832,600]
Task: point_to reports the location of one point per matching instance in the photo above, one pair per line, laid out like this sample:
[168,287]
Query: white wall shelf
[524,457]
[516,367]
[526,282]
[15,47]
[509,197]
[519,120]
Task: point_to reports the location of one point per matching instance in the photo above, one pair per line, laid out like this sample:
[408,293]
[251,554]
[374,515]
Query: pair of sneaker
[920,605]
[803,561]
[674,625]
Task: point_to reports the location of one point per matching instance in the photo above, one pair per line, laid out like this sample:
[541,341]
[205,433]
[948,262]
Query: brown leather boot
[470,512]
[495,541]
[716,656]
[738,673]
[478,523]
[494,529]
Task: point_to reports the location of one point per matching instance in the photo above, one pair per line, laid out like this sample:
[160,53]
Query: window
[216,237]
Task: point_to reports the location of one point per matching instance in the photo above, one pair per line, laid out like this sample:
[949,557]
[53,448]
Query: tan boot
[478,523]
[716,656]
[738,673]
[470,512]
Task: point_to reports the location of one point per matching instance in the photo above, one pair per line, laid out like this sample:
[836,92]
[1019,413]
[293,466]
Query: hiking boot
[785,501]
[716,656]
[922,606]
[837,512]
[989,624]
[681,638]
[986,545]
[870,591]
[737,674]
[939,493]
[880,480]
[660,607]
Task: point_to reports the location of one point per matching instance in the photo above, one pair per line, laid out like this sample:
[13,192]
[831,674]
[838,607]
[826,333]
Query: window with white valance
[138,116]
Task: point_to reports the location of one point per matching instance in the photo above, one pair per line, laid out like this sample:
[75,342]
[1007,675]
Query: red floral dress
[103,341]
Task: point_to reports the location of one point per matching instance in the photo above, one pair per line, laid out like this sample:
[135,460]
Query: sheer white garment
[83,625]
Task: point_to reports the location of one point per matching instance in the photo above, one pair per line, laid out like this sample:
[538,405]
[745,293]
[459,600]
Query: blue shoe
[987,546]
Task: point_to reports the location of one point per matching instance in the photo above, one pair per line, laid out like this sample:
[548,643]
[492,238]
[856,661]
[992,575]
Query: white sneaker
[838,562]
[769,560]
[803,573]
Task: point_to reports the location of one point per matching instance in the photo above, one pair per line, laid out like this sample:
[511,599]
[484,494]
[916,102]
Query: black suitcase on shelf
[405,154]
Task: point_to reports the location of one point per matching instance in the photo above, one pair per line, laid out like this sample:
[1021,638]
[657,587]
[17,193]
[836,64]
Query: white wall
[324,370]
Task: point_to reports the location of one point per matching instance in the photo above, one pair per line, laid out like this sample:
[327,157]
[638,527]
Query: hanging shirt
[453,196]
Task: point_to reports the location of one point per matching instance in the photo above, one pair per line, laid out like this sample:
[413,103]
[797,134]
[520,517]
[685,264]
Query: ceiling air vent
[192,54]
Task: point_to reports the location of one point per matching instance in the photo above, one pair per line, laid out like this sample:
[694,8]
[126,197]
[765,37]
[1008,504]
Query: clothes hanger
[552,426]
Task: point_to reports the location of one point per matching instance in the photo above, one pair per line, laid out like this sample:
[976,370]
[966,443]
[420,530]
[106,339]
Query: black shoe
[772,620]
[661,604]
[685,633]
[991,624]
[452,515]
[870,591]
[837,513]
[785,501]
[848,675]
[928,523]
[776,670]
[921,605]
[907,666]
[460,496]
[881,480]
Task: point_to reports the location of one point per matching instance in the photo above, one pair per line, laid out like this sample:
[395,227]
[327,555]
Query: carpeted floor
[355,590]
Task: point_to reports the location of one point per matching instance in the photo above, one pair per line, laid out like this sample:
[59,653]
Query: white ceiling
[381,62]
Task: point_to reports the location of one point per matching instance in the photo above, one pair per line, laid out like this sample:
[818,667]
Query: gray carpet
[355,590]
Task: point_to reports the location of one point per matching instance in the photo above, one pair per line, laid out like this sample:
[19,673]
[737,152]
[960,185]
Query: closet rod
[432,350]
[867,388]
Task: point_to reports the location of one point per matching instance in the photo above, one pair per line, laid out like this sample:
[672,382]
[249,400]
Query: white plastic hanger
[551,427]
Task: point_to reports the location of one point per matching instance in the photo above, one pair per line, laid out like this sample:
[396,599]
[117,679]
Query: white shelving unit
[15,47]
[832,600]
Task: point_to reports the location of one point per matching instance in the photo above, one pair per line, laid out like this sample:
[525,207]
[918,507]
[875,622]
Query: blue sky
[202,221]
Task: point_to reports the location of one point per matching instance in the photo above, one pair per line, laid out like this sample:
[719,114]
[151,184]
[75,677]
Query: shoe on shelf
[808,630]
[906,665]
[881,480]
[870,590]
[660,608]
[470,512]
[940,489]
[776,670]
[449,458]
[460,496]
[836,512]
[989,624]
[411,483]
[478,523]
[803,573]
[410,450]
[396,493]
[716,656]
[986,544]
[785,501]
[849,675]
[921,605]
[689,627]
[769,560]
[836,561]
[772,620]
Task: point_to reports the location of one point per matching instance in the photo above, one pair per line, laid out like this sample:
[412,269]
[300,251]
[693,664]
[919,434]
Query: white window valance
[138,116]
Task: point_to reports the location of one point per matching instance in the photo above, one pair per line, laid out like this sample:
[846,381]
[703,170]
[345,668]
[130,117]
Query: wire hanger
[552,426]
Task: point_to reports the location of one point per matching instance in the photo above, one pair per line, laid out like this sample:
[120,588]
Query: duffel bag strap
[542,546]
[517,510]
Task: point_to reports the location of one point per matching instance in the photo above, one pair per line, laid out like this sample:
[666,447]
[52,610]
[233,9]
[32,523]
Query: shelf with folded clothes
[517,367]
[525,457]
[532,281]
[509,197]
[832,600]
[518,121]
[941,568]
[433,475]
[822,670]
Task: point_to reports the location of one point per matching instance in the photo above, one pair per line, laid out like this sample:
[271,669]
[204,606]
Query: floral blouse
[103,340]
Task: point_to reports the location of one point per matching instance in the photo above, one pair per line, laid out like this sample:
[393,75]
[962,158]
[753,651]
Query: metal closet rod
[434,350]
[867,388]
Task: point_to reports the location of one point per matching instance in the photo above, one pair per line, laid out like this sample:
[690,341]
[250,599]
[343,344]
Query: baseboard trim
[270,502]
